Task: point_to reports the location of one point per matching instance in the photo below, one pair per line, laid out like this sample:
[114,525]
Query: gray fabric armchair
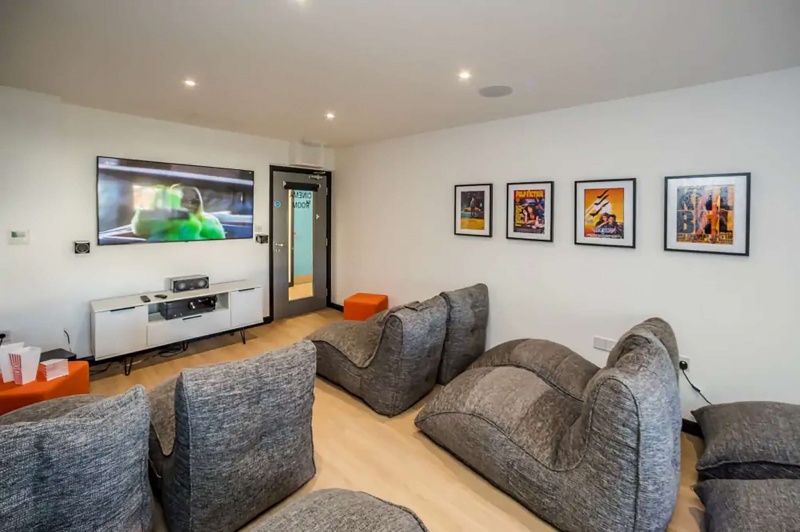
[77,463]
[584,448]
[229,441]
[337,510]
[389,361]
[465,340]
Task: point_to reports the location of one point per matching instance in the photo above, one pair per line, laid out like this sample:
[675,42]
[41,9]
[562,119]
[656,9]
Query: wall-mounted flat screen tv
[143,201]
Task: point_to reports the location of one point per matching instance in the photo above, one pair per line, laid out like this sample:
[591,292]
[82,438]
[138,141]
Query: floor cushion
[751,505]
[337,510]
[750,440]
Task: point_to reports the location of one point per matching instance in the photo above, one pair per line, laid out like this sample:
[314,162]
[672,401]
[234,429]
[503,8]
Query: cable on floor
[174,350]
[99,371]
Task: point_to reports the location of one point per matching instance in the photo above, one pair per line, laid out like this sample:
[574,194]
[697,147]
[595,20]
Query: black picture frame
[630,228]
[707,177]
[487,215]
[549,201]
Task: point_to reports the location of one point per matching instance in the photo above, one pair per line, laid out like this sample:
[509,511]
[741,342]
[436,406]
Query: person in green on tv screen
[176,215]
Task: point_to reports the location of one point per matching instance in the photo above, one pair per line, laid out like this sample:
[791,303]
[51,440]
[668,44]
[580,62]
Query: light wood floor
[389,458]
[301,290]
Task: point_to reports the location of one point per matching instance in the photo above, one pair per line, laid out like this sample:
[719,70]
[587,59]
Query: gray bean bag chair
[337,510]
[582,447]
[391,360]
[465,340]
[229,441]
[75,464]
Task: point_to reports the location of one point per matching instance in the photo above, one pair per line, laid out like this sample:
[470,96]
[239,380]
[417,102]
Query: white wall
[736,318]
[47,185]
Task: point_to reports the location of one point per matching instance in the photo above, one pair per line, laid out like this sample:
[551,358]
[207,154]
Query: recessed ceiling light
[190,83]
[464,75]
[329,116]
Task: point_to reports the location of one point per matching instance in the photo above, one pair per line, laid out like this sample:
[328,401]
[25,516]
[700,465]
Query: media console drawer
[161,332]
[247,307]
[119,331]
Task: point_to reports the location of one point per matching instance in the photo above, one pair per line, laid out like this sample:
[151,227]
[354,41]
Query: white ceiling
[386,67]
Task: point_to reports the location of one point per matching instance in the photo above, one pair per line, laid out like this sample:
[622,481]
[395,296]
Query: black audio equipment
[187,282]
[82,247]
[187,307]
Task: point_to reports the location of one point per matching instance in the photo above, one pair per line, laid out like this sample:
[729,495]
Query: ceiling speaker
[495,91]
[82,247]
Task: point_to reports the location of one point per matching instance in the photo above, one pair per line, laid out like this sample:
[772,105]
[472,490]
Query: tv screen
[143,201]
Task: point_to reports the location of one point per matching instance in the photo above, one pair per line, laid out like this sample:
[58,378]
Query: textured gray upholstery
[231,440]
[48,409]
[604,458]
[558,365]
[76,464]
[649,331]
[750,440]
[337,510]
[751,505]
[465,340]
[390,362]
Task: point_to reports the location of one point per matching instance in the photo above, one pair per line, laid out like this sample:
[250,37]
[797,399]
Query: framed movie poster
[707,214]
[473,210]
[529,211]
[605,212]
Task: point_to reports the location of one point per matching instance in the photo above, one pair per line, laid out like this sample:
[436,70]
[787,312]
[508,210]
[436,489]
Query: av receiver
[187,307]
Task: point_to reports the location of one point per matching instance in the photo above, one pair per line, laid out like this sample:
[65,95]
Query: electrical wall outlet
[603,344]
[686,361]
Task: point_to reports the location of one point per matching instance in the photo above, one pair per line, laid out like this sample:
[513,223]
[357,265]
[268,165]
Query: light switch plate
[19,237]
[603,344]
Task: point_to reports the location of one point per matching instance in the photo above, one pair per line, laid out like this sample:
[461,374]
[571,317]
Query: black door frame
[328,284]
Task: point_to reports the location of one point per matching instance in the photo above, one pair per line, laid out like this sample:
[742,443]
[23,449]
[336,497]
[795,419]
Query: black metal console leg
[241,333]
[127,364]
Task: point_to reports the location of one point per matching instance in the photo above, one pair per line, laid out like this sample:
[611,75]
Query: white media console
[124,325]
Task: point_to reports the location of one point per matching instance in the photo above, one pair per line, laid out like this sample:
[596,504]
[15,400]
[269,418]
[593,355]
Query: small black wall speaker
[82,247]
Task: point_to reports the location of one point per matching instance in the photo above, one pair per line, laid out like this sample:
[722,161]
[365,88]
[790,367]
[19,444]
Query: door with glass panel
[299,240]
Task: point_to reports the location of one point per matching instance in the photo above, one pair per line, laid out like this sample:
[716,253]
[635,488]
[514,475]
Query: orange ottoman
[13,396]
[359,307]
